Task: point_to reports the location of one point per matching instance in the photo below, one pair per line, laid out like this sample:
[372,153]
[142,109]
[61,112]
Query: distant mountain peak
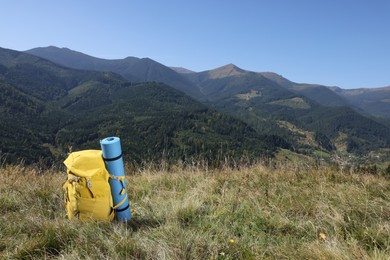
[230,66]
[52,48]
[227,71]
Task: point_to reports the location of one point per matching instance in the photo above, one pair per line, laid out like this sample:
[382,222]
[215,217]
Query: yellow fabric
[120,203]
[121,179]
[87,191]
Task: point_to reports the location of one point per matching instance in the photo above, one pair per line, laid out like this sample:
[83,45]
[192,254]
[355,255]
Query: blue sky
[343,43]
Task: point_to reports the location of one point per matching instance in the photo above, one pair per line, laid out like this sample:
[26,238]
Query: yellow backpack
[87,193]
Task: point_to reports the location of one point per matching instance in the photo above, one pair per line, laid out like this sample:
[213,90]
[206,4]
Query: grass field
[284,212]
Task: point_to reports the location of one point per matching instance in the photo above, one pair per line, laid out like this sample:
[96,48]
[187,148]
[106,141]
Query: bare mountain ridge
[230,80]
[321,94]
[373,101]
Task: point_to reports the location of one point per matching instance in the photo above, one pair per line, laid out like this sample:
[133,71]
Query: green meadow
[286,211]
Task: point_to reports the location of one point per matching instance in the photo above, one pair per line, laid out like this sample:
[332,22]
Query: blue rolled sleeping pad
[112,155]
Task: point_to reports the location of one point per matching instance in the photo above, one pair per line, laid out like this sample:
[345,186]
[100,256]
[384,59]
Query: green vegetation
[288,211]
[296,102]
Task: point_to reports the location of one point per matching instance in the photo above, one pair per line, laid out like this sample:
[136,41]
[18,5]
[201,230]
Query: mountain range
[48,110]
[373,101]
[55,99]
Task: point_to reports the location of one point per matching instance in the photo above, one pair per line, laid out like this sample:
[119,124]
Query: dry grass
[251,213]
